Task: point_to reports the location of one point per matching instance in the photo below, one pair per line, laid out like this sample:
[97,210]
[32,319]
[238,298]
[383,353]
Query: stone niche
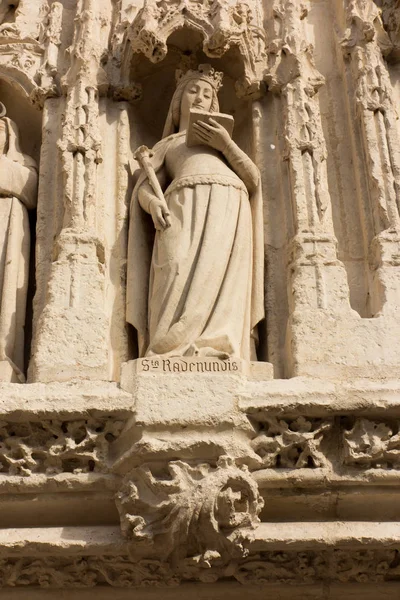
[147,115]
[184,51]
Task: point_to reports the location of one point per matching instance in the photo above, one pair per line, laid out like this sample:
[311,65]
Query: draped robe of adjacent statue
[18,189]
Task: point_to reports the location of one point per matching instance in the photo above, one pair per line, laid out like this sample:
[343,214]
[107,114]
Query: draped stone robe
[18,189]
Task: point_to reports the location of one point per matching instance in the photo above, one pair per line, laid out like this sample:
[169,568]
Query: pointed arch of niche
[217,28]
[28,119]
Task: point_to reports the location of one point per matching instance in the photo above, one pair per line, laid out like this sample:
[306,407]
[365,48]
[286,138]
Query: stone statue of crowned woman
[195,288]
[18,192]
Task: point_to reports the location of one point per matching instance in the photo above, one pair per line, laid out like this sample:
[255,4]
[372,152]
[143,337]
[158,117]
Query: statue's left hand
[212,134]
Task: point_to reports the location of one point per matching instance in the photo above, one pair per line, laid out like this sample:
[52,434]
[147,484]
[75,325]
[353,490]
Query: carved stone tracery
[21,43]
[285,567]
[372,444]
[222,24]
[56,446]
[285,443]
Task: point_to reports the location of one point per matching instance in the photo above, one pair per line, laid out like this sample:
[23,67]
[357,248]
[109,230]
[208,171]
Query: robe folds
[18,188]
[196,288]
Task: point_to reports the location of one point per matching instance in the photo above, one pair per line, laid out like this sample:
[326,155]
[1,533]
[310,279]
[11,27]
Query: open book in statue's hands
[195,115]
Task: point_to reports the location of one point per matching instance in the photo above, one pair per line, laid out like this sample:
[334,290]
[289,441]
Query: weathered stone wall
[188,477]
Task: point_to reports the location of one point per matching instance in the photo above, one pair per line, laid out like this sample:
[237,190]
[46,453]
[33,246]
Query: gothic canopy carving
[223,24]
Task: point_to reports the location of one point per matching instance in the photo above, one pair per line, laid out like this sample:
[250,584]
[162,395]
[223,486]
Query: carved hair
[3,110]
[205,73]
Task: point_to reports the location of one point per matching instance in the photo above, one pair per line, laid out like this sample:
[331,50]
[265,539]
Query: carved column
[376,121]
[71,338]
[317,281]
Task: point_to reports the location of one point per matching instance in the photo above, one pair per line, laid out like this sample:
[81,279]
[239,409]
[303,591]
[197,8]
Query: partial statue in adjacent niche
[18,191]
[196,287]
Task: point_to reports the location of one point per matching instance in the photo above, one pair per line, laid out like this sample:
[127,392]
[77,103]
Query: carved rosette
[222,25]
[192,512]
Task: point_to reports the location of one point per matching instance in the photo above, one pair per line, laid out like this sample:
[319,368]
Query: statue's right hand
[160,214]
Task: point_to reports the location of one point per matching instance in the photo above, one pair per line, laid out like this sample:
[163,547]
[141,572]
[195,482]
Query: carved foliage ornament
[391,23]
[336,565]
[191,512]
[372,444]
[292,443]
[54,446]
[361,566]
[310,443]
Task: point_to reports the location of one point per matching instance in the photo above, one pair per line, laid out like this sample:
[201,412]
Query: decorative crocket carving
[222,24]
[192,512]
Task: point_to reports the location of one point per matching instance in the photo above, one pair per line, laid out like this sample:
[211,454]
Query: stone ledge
[315,397]
[73,541]
[323,534]
[57,484]
[66,400]
[294,536]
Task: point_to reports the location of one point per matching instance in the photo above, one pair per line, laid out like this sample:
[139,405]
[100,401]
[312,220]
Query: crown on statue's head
[205,72]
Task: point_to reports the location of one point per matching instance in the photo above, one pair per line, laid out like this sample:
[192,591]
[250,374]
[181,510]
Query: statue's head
[195,88]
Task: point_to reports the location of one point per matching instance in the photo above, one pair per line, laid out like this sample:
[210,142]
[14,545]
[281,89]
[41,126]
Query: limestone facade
[271,472]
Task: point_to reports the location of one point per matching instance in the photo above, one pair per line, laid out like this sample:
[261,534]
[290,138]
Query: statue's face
[197,94]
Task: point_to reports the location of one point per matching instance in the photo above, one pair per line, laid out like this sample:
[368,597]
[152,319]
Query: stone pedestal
[190,404]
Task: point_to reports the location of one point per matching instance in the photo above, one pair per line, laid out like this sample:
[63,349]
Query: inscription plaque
[179,364]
